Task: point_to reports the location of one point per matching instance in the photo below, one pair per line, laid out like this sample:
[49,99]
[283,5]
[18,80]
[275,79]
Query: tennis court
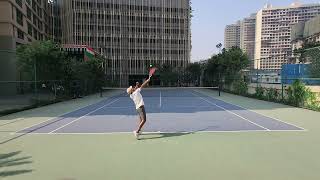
[169,110]
[191,133]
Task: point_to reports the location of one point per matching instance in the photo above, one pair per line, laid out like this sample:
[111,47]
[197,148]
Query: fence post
[282,90]
[257,79]
[35,83]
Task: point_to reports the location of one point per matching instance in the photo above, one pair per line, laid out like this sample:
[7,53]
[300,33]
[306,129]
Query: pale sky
[211,16]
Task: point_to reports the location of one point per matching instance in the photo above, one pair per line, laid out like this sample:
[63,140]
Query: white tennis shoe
[136,134]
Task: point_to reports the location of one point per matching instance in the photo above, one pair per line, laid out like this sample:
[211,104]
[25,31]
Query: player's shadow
[160,135]
[10,160]
[150,136]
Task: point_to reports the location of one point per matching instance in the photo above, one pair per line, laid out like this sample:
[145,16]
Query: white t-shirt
[137,98]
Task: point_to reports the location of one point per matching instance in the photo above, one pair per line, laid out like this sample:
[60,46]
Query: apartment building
[273,33]
[232,36]
[247,37]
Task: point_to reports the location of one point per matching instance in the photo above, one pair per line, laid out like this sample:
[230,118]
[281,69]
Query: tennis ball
[151,65]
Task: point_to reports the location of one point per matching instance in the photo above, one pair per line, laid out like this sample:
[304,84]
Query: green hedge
[298,94]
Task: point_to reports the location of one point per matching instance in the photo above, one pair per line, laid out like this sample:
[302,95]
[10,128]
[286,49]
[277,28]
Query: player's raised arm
[145,83]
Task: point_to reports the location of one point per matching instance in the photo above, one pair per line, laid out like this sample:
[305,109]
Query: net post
[219,84]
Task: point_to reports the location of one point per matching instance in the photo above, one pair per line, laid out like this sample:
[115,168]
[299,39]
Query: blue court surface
[168,111]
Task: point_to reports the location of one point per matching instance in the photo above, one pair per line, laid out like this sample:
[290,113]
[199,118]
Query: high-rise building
[232,36]
[273,33]
[305,35]
[247,37]
[131,34]
[21,22]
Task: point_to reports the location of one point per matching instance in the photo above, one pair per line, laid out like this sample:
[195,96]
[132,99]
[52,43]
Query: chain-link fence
[20,95]
[302,92]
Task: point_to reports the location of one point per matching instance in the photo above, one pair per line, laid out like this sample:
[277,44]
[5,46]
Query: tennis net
[166,91]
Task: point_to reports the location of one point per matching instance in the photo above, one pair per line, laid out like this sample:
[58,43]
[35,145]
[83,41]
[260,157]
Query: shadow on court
[10,160]
[151,136]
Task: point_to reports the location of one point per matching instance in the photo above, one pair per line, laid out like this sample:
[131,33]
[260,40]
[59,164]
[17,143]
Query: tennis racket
[152,71]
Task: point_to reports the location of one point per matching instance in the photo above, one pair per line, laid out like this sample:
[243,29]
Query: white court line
[132,107]
[83,116]
[160,132]
[14,121]
[191,106]
[59,116]
[123,107]
[259,113]
[233,113]
[266,116]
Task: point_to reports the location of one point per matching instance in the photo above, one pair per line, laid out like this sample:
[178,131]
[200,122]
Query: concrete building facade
[247,37]
[273,33]
[232,36]
[131,34]
[305,34]
[21,22]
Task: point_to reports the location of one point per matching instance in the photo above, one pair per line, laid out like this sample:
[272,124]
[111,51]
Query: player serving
[135,95]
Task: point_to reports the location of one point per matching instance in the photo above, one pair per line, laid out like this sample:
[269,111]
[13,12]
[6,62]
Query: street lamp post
[219,46]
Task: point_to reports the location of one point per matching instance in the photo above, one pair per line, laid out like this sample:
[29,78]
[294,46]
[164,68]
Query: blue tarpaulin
[292,72]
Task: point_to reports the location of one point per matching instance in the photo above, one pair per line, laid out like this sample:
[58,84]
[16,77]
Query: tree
[41,60]
[226,65]
[310,52]
[168,75]
[44,61]
[90,73]
[193,72]
[314,56]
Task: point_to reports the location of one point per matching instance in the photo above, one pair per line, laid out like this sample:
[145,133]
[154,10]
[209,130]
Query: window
[19,17]
[19,2]
[35,22]
[20,34]
[35,33]
[29,14]
[39,12]
[29,29]
[40,26]
[34,5]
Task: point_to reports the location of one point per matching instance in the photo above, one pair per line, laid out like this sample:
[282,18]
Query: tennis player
[136,96]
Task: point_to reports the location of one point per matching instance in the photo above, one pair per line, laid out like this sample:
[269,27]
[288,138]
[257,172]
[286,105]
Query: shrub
[311,101]
[259,92]
[297,94]
[272,94]
[241,87]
